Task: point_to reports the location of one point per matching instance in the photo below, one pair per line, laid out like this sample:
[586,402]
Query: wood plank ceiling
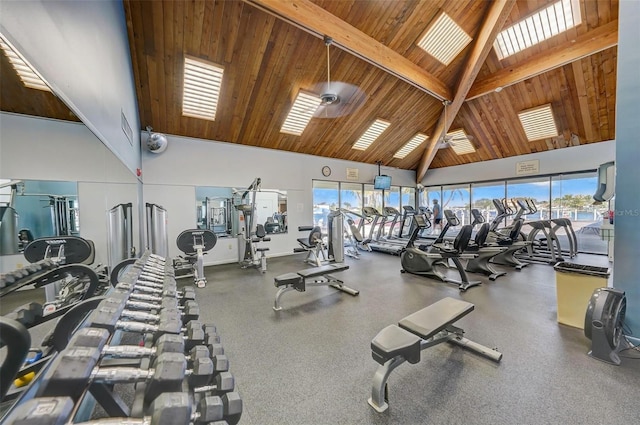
[267,61]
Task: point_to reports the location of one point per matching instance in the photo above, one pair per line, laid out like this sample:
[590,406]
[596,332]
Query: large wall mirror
[216,210]
[58,177]
[32,209]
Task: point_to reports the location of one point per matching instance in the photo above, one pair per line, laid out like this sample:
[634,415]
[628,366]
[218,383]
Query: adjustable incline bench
[317,276]
[423,329]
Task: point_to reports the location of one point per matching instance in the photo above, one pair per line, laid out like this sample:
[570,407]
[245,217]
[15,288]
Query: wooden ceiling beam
[317,21]
[496,17]
[584,45]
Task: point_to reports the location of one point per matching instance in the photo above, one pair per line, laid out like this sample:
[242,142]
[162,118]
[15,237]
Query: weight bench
[425,328]
[318,276]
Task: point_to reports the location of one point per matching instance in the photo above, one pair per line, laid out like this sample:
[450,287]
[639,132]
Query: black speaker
[603,323]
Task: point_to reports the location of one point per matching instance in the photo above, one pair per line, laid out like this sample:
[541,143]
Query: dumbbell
[187,295]
[190,311]
[97,338]
[75,367]
[171,408]
[107,316]
[151,302]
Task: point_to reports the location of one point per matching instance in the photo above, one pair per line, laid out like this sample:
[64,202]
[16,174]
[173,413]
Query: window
[410,146]
[351,197]
[408,196]
[538,123]
[325,198]
[392,197]
[536,188]
[457,199]
[201,89]
[572,198]
[300,114]
[370,136]
[444,40]
[482,196]
[548,22]
[372,197]
[428,194]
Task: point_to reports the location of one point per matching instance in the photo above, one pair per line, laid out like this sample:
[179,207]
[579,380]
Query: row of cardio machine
[388,241]
[508,245]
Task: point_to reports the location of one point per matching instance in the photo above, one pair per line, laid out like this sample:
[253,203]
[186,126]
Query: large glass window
[372,197]
[392,197]
[325,198]
[457,199]
[537,189]
[408,196]
[428,194]
[572,198]
[482,196]
[351,197]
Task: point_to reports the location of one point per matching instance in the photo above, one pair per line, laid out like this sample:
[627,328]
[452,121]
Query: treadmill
[376,244]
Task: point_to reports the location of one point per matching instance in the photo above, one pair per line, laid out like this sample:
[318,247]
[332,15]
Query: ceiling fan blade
[348,99]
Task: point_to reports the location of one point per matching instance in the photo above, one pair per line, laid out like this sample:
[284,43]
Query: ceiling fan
[337,98]
[448,140]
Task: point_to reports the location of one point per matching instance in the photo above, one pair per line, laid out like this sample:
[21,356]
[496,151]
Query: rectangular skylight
[552,20]
[28,75]
[300,114]
[460,143]
[444,40]
[538,123]
[201,90]
[410,146]
[372,133]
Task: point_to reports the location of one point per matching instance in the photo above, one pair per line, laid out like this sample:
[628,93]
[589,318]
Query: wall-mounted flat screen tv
[382,182]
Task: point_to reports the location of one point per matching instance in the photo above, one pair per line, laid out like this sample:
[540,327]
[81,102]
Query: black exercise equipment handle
[18,342]
[113,277]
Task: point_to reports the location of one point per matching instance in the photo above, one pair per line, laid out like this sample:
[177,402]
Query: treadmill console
[420,221]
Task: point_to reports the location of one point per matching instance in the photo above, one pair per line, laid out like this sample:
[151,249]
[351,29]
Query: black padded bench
[317,276]
[425,328]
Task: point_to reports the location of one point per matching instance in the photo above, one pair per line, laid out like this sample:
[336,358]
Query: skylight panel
[201,90]
[460,143]
[372,133]
[27,74]
[410,146]
[546,23]
[538,123]
[300,114]
[444,40]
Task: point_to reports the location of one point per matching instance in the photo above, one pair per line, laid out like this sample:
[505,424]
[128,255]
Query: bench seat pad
[322,270]
[393,341]
[287,279]
[432,319]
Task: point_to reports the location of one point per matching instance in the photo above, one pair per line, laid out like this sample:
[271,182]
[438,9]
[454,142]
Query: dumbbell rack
[132,285]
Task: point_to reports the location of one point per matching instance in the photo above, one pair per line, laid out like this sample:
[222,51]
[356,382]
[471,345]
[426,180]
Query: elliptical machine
[418,262]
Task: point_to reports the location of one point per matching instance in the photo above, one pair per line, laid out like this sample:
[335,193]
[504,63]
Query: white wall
[81,49]
[43,149]
[576,158]
[170,179]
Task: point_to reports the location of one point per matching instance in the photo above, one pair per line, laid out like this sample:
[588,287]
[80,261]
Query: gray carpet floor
[311,363]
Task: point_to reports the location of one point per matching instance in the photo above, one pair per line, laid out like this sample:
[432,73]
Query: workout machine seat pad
[393,341]
[287,279]
[305,242]
[319,271]
[432,319]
